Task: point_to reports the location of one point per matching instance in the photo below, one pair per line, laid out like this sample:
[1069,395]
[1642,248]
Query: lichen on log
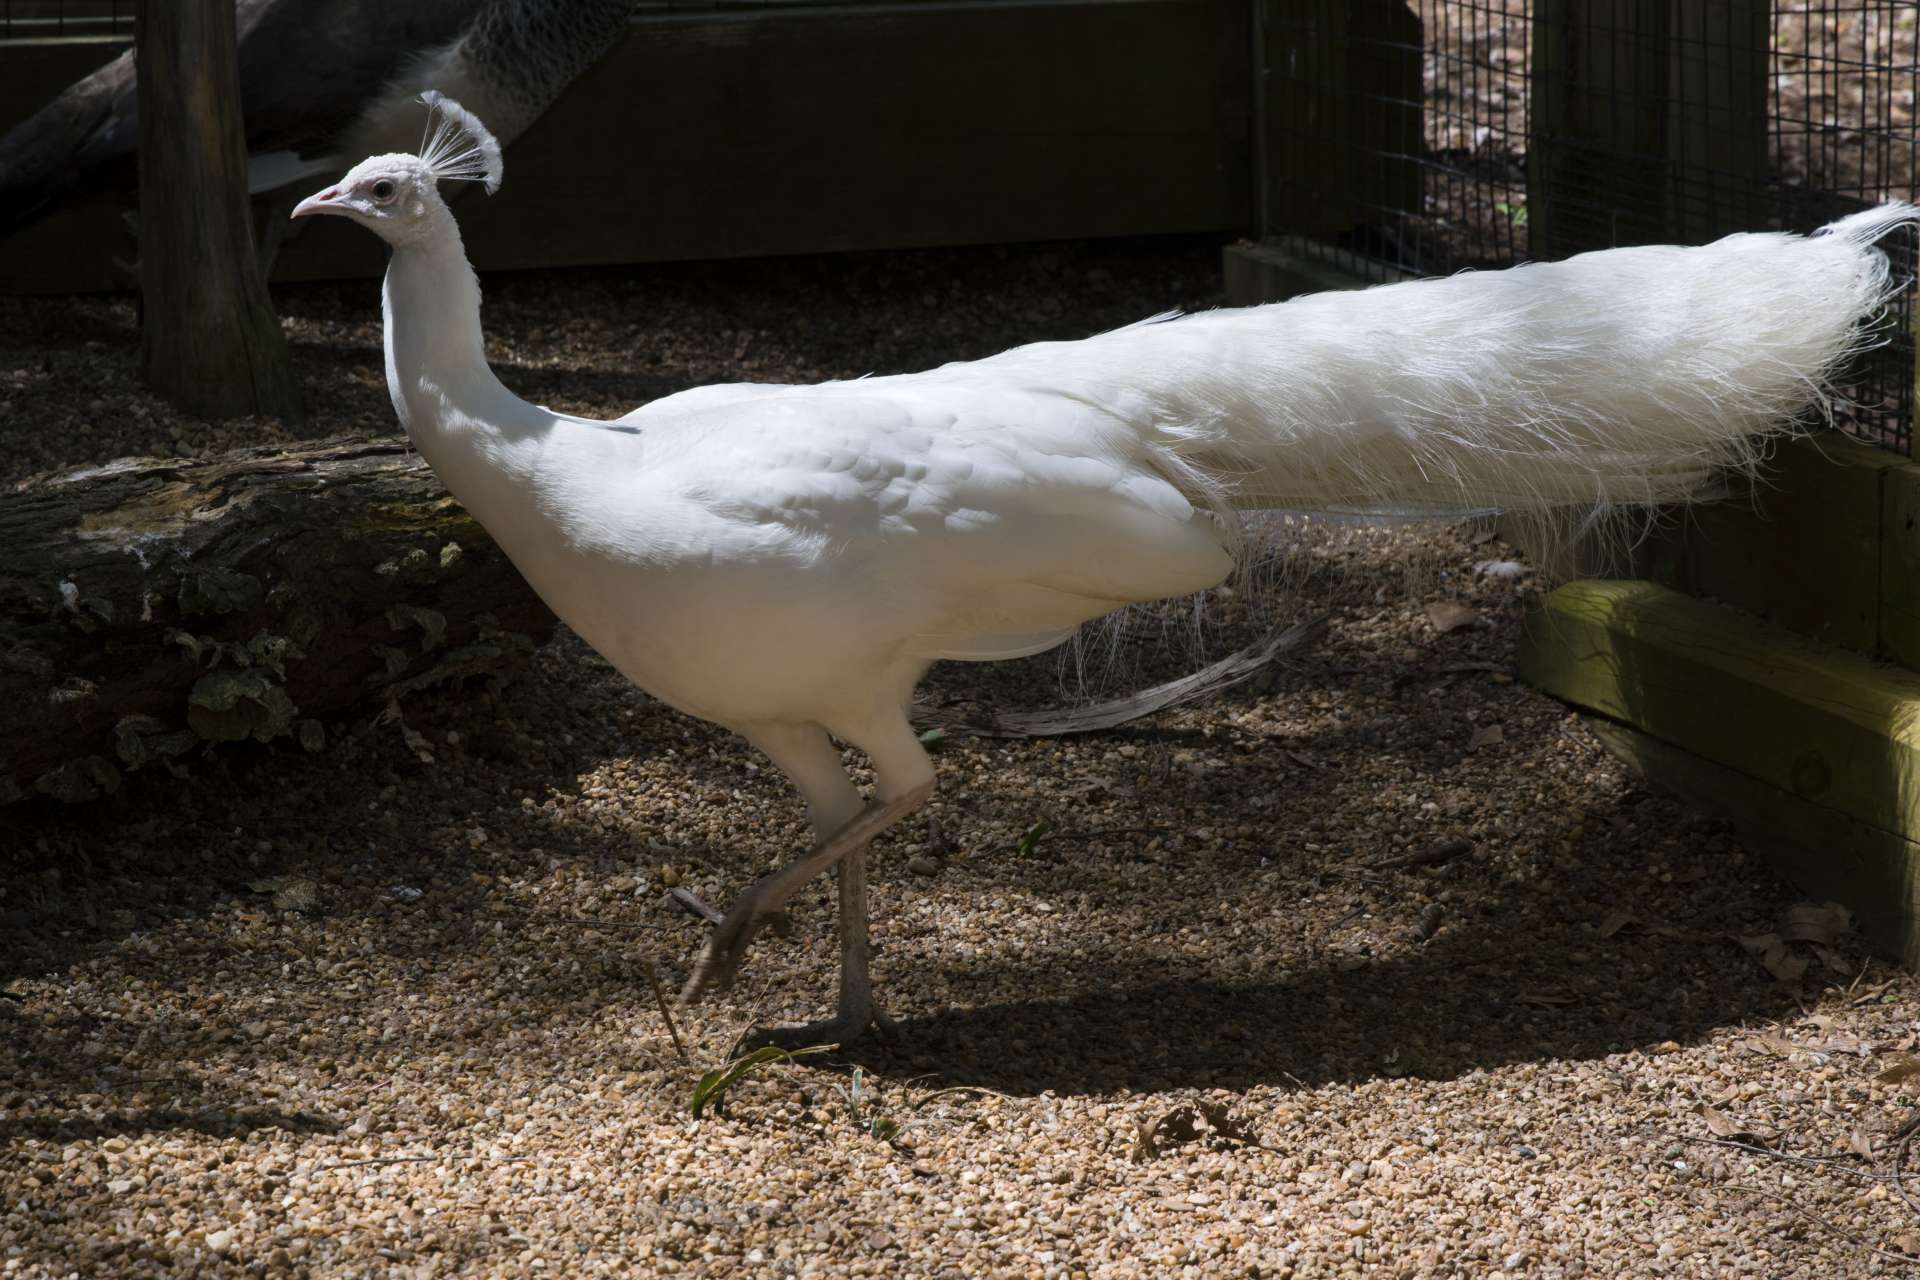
[151,608]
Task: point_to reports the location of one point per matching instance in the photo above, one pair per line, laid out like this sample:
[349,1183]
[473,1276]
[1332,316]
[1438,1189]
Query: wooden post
[1716,138]
[1649,122]
[210,341]
[1596,161]
[1339,108]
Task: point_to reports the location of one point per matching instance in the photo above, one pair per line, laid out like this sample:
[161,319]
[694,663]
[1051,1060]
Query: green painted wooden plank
[1900,565]
[1827,854]
[1802,547]
[1828,726]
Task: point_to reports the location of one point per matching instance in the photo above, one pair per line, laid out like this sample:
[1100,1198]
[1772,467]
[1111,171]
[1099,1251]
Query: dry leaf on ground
[290,893]
[1821,923]
[1192,1122]
[1449,616]
[1905,1067]
[1774,956]
[1720,1125]
[1546,999]
[1782,1046]
[1615,922]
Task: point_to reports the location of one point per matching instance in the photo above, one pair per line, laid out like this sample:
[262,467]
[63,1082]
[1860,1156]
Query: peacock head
[397,196]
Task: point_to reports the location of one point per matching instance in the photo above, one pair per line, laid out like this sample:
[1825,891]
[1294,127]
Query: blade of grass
[711,1090]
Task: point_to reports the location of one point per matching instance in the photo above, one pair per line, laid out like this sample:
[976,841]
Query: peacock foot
[844,1027]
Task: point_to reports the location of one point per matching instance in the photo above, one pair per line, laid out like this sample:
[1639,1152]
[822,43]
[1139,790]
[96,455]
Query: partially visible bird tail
[69,145]
[1624,377]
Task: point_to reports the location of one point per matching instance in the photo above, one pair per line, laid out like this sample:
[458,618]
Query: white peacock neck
[436,353]
[476,434]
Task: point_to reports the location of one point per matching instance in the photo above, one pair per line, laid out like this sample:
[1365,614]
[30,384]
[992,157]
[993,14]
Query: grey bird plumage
[323,83]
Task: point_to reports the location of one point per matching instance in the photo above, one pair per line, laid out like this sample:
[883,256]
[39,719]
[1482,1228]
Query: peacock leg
[727,945]
[857,1011]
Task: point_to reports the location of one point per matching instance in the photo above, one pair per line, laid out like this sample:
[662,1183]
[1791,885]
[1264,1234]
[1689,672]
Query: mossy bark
[150,606]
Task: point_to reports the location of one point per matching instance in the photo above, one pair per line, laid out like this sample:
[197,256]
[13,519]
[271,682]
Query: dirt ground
[361,1015]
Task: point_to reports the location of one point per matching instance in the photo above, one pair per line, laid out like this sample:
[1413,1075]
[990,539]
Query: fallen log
[152,607]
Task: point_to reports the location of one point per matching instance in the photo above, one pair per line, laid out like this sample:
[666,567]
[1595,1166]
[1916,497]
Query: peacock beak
[327,201]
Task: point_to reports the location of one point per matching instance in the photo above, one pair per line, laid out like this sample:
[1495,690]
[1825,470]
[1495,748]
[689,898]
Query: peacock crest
[455,146]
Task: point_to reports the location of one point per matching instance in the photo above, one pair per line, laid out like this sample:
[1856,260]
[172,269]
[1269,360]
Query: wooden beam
[1286,267]
[1802,547]
[1806,545]
[1830,727]
[1899,586]
[1595,161]
[747,132]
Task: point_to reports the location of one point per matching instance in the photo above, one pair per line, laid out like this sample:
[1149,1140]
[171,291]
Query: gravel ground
[360,1014]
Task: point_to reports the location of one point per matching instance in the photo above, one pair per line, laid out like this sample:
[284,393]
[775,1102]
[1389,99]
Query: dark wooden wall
[810,130]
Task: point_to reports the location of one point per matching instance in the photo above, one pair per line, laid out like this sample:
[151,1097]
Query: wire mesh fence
[1445,134]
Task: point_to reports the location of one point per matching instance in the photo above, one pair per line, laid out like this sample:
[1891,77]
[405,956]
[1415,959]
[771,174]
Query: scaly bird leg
[727,945]
[857,1010]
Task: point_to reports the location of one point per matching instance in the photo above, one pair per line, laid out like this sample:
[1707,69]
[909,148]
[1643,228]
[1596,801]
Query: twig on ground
[660,999]
[1348,873]
[362,1164]
[1836,1228]
[1841,1164]
[1070,836]
[694,906]
[1898,1161]
[962,1088]
[585,922]
[1430,857]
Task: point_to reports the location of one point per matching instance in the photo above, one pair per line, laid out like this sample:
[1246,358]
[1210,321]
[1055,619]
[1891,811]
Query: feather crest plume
[456,147]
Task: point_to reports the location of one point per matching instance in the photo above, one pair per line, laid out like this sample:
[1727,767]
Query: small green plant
[933,739]
[855,1096]
[1031,840]
[711,1090]
[1515,213]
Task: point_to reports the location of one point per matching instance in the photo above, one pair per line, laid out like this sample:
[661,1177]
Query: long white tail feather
[1578,398]
[1619,378]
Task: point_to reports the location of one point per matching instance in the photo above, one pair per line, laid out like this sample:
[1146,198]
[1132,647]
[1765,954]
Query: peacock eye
[383,190]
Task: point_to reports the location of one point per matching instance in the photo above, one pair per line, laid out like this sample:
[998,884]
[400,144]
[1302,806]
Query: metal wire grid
[1546,127]
[1844,132]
